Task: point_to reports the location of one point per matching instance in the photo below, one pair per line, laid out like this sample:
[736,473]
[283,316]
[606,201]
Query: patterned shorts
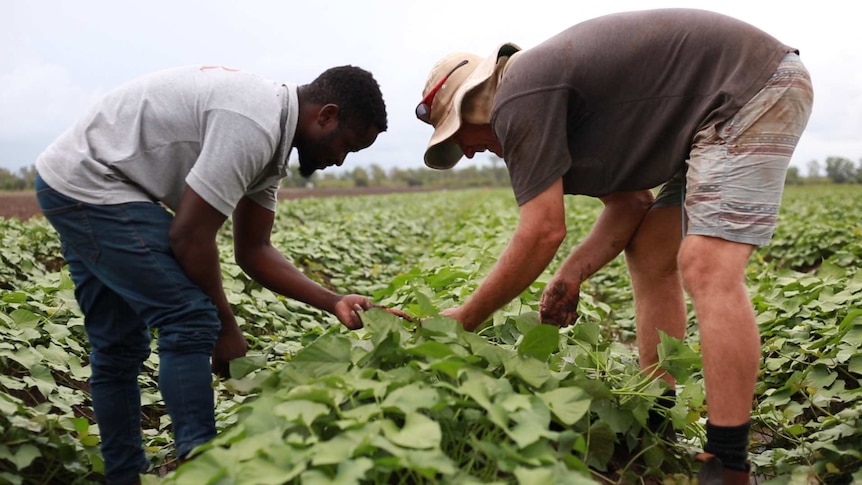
[735,175]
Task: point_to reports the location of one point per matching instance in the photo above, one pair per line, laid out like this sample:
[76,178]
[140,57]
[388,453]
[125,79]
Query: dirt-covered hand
[559,303]
[231,344]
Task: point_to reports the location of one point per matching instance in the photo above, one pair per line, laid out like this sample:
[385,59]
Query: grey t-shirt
[225,133]
[612,104]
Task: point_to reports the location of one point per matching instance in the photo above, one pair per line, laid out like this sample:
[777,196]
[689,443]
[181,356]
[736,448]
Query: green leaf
[569,404]
[610,415]
[328,355]
[529,476]
[344,445]
[434,350]
[82,425]
[601,445]
[677,358]
[349,472]
[353,471]
[258,416]
[418,432]
[14,297]
[24,456]
[43,379]
[90,441]
[533,372]
[450,367]
[480,388]
[540,342]
[426,307]
[16,479]
[263,471]
[243,366]
[479,346]
[410,398]
[555,473]
[300,412]
[25,318]
[531,423]
[7,406]
[587,332]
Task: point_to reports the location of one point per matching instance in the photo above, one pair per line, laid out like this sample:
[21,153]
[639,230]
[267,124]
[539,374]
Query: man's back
[627,93]
[141,140]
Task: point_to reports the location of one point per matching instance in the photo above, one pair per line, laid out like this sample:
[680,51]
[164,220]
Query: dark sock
[729,444]
[656,419]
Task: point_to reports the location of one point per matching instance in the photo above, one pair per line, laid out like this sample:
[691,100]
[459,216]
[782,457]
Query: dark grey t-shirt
[612,104]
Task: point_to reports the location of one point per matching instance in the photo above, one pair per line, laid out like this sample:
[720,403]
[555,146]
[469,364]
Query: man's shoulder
[210,81]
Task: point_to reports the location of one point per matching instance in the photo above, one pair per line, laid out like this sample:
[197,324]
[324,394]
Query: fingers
[558,311]
[399,313]
[557,306]
[358,309]
[356,317]
[395,311]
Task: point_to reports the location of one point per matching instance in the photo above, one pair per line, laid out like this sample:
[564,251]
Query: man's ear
[327,114]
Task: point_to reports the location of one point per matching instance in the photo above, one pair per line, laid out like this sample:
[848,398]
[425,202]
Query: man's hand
[559,303]
[453,313]
[230,345]
[459,314]
[347,310]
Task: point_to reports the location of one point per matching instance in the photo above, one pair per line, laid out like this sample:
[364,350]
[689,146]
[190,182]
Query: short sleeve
[234,153]
[267,198]
[532,131]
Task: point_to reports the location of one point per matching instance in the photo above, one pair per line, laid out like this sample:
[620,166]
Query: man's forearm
[609,236]
[200,261]
[521,263]
[270,268]
[541,229]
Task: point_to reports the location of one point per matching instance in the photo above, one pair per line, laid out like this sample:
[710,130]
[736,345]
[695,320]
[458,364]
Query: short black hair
[356,93]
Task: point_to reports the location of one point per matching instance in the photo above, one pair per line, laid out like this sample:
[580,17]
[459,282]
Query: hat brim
[442,153]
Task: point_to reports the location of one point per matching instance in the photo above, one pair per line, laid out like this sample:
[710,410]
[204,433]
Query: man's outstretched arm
[252,226]
[541,229]
[609,236]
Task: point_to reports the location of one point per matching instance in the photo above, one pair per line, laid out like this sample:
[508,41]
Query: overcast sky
[57,57]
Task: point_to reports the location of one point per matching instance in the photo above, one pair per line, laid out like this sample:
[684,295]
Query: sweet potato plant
[516,402]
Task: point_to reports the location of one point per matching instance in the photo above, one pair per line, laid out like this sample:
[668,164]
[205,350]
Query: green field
[518,402]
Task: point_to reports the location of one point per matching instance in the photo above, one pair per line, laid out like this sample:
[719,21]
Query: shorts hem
[737,238]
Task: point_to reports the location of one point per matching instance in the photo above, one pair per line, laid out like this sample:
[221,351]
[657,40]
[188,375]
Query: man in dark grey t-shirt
[705,104]
[208,143]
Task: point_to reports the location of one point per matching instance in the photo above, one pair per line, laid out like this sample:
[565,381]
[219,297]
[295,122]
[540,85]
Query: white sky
[57,57]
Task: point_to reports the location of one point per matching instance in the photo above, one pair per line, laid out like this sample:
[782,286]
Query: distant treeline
[837,170]
[23,179]
[372,175]
[493,175]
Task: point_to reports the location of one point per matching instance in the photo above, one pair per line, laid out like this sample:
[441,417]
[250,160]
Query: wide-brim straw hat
[447,110]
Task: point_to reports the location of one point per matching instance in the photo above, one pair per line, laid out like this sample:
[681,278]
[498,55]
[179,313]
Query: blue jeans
[128,283]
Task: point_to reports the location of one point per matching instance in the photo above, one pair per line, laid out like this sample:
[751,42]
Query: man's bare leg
[713,272]
[659,300]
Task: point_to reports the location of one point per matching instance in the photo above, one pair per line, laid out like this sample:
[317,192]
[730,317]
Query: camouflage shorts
[735,175]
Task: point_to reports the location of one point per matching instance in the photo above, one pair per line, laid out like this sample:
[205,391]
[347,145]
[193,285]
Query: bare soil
[22,205]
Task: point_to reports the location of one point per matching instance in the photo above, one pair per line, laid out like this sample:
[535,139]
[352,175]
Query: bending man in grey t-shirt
[208,143]
[611,108]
